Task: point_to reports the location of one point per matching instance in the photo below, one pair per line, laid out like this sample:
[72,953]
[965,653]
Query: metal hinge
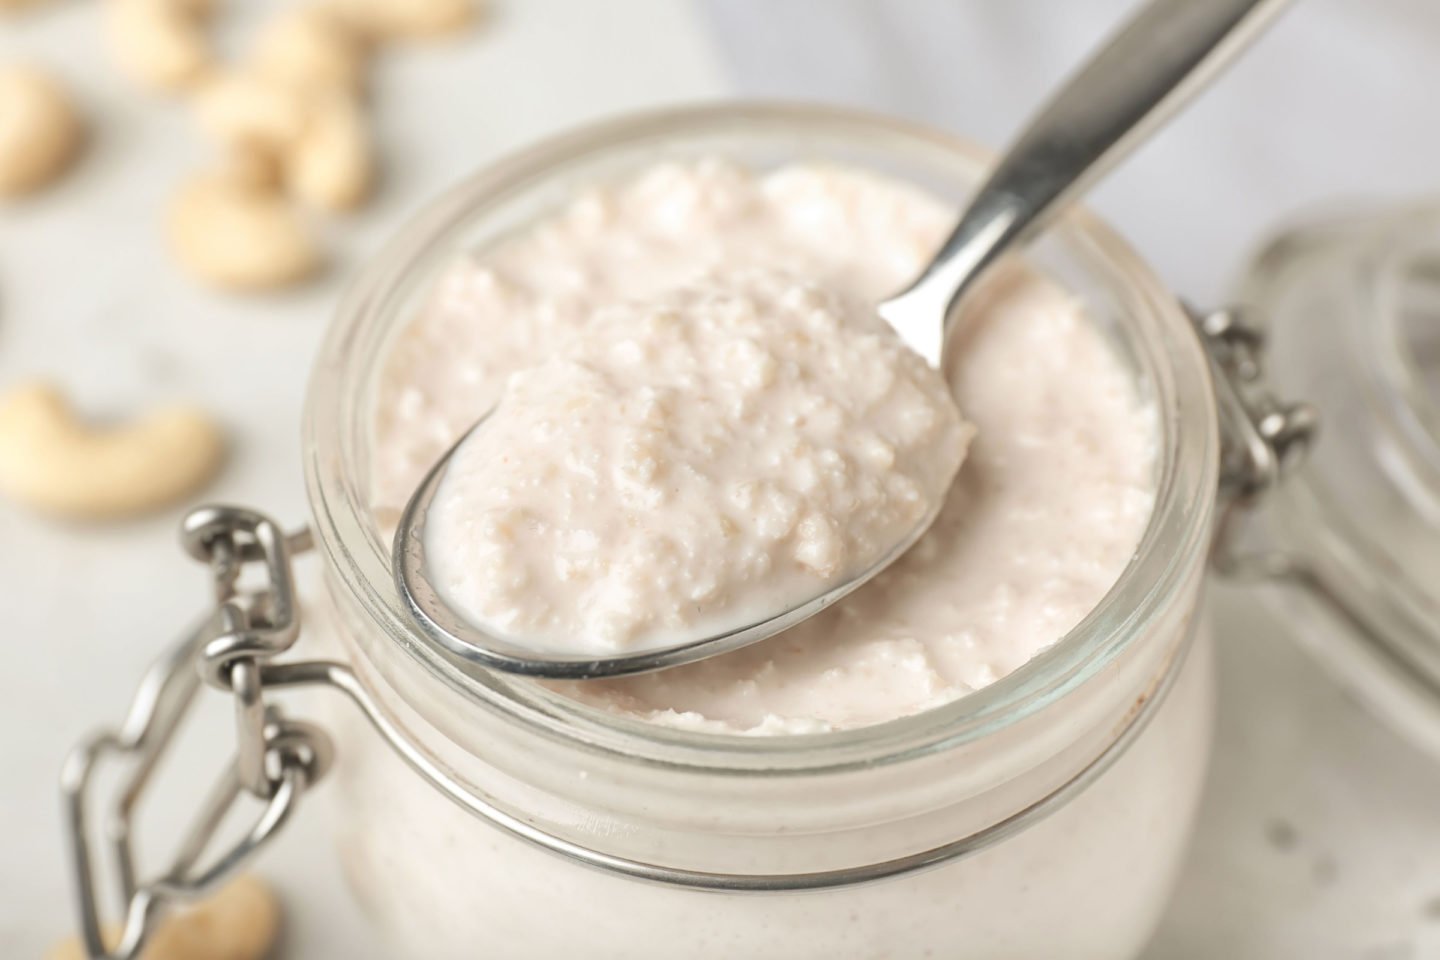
[1262,438]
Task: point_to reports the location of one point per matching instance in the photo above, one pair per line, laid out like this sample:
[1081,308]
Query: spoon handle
[1161,57]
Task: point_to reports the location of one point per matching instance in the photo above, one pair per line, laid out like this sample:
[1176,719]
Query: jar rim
[1175,538]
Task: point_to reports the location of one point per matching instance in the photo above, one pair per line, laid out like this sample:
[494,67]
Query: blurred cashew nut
[160,44]
[311,49]
[51,461]
[405,19]
[40,132]
[237,923]
[14,6]
[238,231]
[244,109]
[320,137]
[330,166]
[295,106]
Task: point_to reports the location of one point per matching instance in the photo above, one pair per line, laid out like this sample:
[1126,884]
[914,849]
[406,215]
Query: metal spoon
[1164,54]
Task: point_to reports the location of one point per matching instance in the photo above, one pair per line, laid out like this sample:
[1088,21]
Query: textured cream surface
[692,464]
[1053,498]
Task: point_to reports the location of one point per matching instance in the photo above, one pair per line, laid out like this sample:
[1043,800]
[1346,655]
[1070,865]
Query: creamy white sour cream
[703,416]
[692,464]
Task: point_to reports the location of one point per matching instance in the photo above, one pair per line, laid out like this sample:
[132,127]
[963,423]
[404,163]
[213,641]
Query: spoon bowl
[473,642]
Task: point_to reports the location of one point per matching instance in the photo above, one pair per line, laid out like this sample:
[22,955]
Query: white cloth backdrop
[1334,102]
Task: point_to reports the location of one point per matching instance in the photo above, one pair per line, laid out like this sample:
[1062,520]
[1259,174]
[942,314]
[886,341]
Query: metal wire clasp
[1263,438]
[247,628]
[276,758]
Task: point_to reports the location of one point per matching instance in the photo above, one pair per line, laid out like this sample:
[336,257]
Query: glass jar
[480,813]
[1349,553]
[1044,815]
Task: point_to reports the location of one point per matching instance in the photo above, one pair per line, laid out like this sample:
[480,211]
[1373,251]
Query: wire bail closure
[1263,438]
[277,759]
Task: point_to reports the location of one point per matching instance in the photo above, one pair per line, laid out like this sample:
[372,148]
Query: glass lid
[1351,313]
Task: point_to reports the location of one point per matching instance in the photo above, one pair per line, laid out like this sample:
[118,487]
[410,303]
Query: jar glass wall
[1044,813]
[1348,548]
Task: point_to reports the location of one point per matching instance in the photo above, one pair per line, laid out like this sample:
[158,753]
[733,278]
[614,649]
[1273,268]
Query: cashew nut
[13,6]
[257,170]
[311,49]
[237,923]
[401,19]
[236,230]
[40,131]
[160,44]
[53,462]
[72,949]
[330,165]
[247,110]
[320,137]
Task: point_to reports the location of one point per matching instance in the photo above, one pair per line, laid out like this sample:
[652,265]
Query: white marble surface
[1319,836]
